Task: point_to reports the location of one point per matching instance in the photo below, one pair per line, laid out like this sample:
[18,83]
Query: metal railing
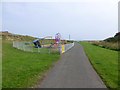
[29,47]
[68,46]
[25,46]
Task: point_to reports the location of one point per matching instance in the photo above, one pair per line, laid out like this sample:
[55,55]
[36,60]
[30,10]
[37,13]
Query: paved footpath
[73,70]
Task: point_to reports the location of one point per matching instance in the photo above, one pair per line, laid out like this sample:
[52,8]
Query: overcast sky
[83,20]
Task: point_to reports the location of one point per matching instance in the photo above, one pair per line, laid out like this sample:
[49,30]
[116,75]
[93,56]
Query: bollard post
[63,48]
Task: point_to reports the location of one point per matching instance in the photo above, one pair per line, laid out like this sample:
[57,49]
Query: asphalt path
[73,70]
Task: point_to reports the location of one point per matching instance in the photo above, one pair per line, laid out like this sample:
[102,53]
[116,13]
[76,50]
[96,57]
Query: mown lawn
[23,69]
[105,62]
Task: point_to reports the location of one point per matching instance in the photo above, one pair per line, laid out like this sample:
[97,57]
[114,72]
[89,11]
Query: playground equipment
[57,38]
[41,41]
[37,43]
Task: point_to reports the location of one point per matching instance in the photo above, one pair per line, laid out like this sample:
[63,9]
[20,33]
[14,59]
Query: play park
[44,45]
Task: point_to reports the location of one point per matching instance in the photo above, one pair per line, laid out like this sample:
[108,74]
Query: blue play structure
[37,43]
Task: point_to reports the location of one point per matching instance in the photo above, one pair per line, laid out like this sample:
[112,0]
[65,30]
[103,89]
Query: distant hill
[15,37]
[116,38]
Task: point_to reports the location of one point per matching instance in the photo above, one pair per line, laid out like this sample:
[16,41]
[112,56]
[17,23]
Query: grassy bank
[105,62]
[23,69]
[109,45]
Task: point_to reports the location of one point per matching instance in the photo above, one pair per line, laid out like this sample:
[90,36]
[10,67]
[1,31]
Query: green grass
[23,69]
[46,50]
[0,63]
[105,62]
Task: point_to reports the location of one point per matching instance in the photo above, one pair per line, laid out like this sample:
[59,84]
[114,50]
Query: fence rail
[25,46]
[68,46]
[29,47]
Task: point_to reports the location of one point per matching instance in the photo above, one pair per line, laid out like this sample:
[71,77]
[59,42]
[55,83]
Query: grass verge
[23,69]
[0,63]
[105,62]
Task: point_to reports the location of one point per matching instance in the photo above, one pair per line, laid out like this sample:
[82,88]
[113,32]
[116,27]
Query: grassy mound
[116,38]
[112,43]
